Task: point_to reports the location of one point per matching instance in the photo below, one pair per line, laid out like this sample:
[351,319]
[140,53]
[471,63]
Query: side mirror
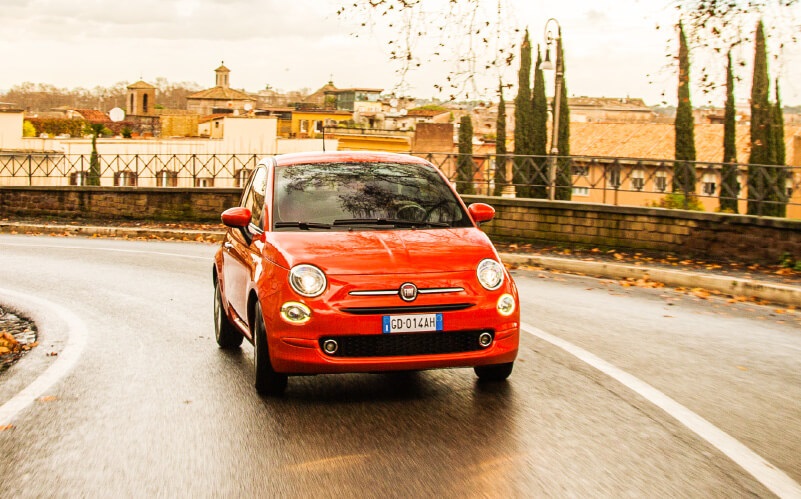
[481,212]
[238,217]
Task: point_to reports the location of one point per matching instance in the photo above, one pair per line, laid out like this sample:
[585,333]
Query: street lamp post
[547,65]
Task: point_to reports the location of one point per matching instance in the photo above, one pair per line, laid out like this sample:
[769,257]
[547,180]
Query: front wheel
[268,382]
[495,372]
[228,337]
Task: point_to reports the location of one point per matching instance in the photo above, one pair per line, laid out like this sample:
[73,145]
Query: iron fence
[145,170]
[764,190]
[754,189]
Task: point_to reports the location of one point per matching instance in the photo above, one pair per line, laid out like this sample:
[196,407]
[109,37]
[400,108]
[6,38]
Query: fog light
[506,305]
[295,313]
[330,347]
[484,340]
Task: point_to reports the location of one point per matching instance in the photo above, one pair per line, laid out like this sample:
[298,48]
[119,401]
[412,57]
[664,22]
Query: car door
[240,257]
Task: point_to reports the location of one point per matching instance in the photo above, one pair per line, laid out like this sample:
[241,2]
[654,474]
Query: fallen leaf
[6,427]
[742,368]
[47,398]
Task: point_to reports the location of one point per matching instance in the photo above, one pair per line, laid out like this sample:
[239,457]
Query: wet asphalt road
[154,408]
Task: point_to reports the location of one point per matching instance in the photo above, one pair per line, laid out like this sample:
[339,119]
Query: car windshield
[356,195]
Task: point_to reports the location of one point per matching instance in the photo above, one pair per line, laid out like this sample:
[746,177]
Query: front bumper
[355,323]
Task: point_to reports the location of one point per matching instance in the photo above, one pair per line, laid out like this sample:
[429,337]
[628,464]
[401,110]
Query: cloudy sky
[612,47]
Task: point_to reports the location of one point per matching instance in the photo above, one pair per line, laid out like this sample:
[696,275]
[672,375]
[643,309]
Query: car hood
[381,251]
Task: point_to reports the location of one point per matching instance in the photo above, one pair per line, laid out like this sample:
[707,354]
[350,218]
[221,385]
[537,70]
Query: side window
[255,201]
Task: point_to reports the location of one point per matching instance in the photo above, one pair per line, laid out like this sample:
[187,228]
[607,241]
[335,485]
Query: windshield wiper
[302,225]
[388,221]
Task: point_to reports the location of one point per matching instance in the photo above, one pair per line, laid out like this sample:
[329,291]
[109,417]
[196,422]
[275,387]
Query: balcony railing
[755,189]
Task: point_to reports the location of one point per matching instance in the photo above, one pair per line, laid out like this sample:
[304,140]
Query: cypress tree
[523,122]
[539,113]
[758,178]
[779,156]
[564,177]
[464,169]
[683,169]
[500,145]
[94,161]
[728,185]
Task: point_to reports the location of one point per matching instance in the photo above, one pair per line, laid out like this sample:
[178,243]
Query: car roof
[346,156]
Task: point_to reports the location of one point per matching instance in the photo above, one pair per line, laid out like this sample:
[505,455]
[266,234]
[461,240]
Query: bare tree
[471,38]
[476,38]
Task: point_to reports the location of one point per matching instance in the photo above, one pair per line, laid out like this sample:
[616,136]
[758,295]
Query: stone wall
[684,233]
[131,203]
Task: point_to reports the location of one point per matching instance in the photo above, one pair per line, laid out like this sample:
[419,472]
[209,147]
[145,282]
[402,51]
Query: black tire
[268,382]
[227,335]
[495,372]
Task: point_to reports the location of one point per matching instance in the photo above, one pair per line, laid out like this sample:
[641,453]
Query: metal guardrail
[756,189]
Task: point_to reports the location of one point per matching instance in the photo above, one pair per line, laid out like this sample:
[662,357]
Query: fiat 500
[361,262]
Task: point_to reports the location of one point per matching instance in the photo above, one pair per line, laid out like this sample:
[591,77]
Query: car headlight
[295,313]
[490,274]
[307,280]
[506,305]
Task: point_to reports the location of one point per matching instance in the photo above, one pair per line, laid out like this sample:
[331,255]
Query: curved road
[152,408]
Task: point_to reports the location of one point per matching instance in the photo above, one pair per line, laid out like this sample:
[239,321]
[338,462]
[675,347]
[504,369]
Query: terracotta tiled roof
[657,140]
[425,113]
[93,116]
[220,93]
[140,84]
[211,117]
[608,103]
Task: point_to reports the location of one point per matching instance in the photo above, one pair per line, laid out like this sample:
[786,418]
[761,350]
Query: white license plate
[411,323]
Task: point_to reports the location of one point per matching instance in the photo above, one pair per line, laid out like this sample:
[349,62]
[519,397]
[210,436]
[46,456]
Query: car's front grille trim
[405,344]
[391,292]
[413,309]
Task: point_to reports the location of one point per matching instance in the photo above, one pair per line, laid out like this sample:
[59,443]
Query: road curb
[129,232]
[775,293]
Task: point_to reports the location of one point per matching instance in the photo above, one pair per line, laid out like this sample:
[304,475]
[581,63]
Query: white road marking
[769,475]
[117,250]
[76,341]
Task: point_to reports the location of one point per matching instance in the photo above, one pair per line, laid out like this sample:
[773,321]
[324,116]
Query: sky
[612,47]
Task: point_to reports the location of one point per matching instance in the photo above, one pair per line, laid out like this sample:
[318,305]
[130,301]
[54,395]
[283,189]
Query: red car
[361,262]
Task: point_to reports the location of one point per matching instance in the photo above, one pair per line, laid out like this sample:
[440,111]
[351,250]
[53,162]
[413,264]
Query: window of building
[660,181]
[304,126]
[167,178]
[581,191]
[204,182]
[637,179]
[613,176]
[125,178]
[242,176]
[144,104]
[709,186]
[79,178]
[788,184]
[581,170]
